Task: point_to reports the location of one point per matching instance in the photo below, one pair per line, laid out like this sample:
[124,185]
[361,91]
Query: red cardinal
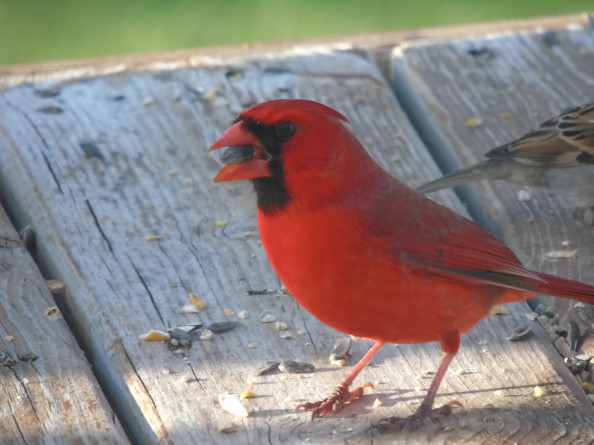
[361,251]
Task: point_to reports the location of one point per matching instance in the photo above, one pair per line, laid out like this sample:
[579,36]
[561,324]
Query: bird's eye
[285,130]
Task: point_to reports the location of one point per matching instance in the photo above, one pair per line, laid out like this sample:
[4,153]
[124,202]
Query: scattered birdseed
[243,315]
[55,286]
[222,223]
[234,75]
[505,114]
[154,335]
[222,326]
[52,313]
[189,309]
[231,404]
[226,428]
[195,300]
[539,391]
[523,195]
[237,155]
[6,360]
[28,357]
[588,387]
[247,395]
[153,237]
[51,109]
[252,345]
[499,393]
[267,368]
[286,335]
[519,333]
[474,122]
[339,363]
[206,334]
[267,318]
[148,101]
[499,309]
[9,338]
[377,403]
[91,150]
[461,371]
[341,349]
[180,339]
[563,347]
[187,327]
[280,326]
[301,332]
[51,91]
[295,367]
[228,312]
[188,378]
[261,292]
[561,254]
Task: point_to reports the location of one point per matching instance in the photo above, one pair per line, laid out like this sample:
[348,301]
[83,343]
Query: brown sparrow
[558,155]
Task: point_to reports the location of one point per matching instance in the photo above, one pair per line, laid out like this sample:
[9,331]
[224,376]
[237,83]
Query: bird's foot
[340,397]
[411,422]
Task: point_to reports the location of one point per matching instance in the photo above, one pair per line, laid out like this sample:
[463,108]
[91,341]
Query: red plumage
[363,252]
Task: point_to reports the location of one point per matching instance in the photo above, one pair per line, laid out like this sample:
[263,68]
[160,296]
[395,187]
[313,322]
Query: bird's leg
[341,394]
[449,346]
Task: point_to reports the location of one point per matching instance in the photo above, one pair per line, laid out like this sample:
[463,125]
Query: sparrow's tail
[484,170]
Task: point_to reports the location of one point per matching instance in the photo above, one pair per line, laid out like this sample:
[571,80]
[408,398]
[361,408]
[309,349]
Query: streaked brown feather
[564,141]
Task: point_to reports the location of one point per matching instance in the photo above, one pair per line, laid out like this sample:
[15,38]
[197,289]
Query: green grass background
[40,30]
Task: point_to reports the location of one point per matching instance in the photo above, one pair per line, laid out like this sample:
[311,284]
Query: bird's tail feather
[459,177]
[561,287]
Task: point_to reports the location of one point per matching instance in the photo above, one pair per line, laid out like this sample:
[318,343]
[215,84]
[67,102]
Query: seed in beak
[237,155]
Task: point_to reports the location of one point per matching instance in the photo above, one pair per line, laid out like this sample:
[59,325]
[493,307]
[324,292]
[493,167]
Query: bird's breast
[350,280]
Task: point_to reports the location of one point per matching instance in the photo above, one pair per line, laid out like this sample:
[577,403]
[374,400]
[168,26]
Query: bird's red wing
[449,245]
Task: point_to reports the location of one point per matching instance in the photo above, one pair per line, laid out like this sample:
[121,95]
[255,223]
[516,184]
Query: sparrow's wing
[564,141]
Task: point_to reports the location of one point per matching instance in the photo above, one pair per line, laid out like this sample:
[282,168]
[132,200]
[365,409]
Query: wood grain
[513,83]
[49,394]
[95,165]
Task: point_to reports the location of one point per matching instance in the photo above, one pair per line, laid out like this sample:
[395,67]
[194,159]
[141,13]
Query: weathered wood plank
[513,82]
[142,169]
[48,392]
[529,77]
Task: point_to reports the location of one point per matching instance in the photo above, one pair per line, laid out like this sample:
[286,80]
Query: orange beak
[245,156]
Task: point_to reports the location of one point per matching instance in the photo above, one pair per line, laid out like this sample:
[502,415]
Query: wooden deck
[106,161]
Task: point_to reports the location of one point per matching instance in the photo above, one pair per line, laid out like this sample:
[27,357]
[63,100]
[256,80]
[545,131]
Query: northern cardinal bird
[363,252]
[542,157]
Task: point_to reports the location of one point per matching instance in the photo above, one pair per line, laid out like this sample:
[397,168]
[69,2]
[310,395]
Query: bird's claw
[340,397]
[410,422]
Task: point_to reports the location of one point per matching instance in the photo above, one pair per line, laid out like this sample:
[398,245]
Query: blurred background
[40,30]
